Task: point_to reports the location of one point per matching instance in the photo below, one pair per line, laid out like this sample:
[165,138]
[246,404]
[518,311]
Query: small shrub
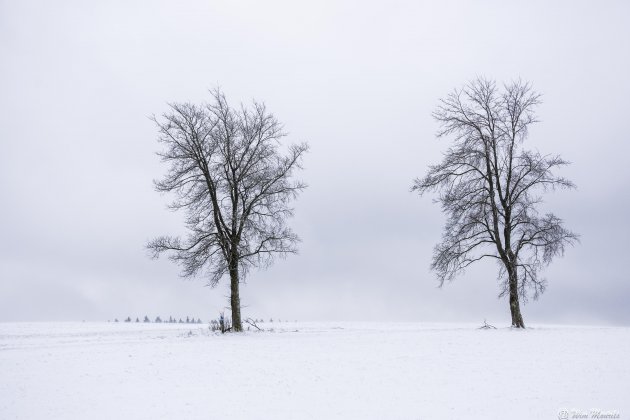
[222,324]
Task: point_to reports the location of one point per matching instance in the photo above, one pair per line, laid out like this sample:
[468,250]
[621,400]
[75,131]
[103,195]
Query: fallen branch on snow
[251,322]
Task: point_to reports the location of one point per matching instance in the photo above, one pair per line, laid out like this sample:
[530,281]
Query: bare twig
[487,326]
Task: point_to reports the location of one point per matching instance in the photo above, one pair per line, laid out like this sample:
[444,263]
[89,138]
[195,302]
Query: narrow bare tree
[490,189]
[231,174]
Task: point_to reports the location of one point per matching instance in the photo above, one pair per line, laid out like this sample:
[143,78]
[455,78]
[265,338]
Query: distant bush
[221,324]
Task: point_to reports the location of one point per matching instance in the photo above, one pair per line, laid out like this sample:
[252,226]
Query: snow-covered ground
[310,371]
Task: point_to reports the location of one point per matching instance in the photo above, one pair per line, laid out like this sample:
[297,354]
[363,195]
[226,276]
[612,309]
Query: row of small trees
[188,320]
[230,173]
[170,320]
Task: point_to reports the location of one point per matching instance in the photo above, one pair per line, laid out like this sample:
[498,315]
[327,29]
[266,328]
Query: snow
[310,371]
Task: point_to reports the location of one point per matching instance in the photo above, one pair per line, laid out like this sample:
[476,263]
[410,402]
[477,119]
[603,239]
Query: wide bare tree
[233,176]
[490,189]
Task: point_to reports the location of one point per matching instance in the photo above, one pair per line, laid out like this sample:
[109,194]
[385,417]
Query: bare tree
[489,187]
[231,174]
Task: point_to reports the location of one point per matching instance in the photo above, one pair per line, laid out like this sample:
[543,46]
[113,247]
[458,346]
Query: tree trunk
[515,307]
[235,300]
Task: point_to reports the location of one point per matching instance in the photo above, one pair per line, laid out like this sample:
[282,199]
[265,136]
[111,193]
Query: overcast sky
[357,81]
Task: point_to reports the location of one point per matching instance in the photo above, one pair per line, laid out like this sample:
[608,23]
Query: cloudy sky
[357,81]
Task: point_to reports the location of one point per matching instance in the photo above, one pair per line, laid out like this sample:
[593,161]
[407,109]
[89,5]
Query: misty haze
[287,210]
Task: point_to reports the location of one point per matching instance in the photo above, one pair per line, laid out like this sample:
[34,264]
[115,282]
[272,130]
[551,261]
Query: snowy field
[311,371]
